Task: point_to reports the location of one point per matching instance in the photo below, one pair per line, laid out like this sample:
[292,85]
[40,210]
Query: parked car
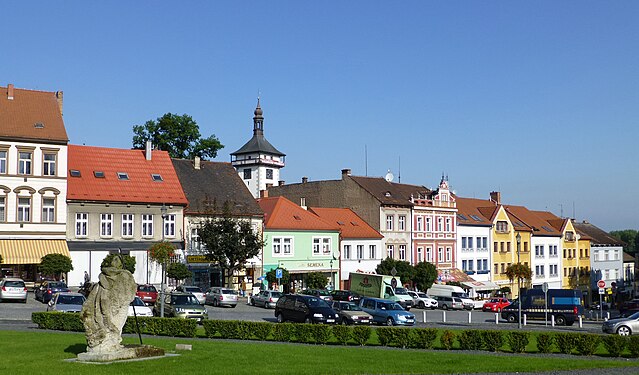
[622,326]
[195,290]
[632,305]
[266,298]
[13,289]
[181,305]
[304,309]
[147,293]
[449,303]
[350,313]
[495,304]
[140,308]
[319,293]
[387,312]
[345,295]
[218,296]
[48,288]
[85,289]
[422,300]
[66,302]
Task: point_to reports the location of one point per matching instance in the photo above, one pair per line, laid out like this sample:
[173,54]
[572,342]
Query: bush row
[422,338]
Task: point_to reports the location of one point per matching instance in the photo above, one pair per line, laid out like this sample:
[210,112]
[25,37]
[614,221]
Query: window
[288,246]
[420,254]
[247,174]
[448,222]
[389,222]
[75,173]
[470,243]
[147,225]
[321,245]
[464,265]
[440,224]
[471,265]
[48,166]
[552,250]
[553,270]
[501,247]
[169,225]
[48,210]
[127,225]
[98,174]
[495,246]
[420,224]
[539,251]
[277,246]
[24,209]
[402,252]
[360,251]
[502,226]
[485,264]
[503,268]
[440,254]
[484,243]
[496,268]
[3,161]
[24,162]
[464,243]
[347,251]
[156,177]
[428,225]
[401,225]
[570,236]
[269,174]
[508,246]
[123,176]
[606,255]
[539,271]
[372,251]
[106,225]
[3,209]
[449,251]
[81,224]
[390,249]
[195,239]
[429,254]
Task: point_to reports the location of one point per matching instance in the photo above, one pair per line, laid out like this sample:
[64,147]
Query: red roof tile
[139,188]
[281,213]
[475,211]
[351,225]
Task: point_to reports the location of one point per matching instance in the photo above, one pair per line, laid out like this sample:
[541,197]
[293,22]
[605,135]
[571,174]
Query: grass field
[41,352]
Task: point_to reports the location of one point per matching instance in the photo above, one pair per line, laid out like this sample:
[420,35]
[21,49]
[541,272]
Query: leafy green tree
[178,135]
[129,262]
[629,236]
[404,270]
[178,271]
[55,265]
[425,275]
[316,280]
[230,242]
[520,272]
[270,277]
[161,252]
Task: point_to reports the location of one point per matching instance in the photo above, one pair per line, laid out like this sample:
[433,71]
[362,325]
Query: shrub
[283,332]
[423,338]
[565,342]
[587,343]
[58,321]
[384,335]
[518,341]
[342,333]
[261,330]
[229,329]
[401,336]
[211,327]
[615,344]
[361,334]
[244,330]
[470,340]
[493,339]
[545,342]
[633,346]
[302,332]
[447,339]
[321,333]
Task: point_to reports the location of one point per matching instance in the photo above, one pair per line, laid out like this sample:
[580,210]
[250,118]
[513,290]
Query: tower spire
[258,119]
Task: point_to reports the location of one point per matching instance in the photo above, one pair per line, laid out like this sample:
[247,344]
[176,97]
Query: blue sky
[538,100]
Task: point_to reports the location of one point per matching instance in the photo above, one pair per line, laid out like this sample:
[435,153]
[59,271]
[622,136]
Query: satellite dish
[389,176]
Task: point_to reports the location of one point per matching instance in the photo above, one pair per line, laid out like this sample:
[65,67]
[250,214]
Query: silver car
[13,289]
[219,296]
[622,326]
[195,290]
[66,302]
[266,298]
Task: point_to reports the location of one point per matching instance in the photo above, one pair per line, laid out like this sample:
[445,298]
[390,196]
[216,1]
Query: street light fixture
[518,238]
[331,282]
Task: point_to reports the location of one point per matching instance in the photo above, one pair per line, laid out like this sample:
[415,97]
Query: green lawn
[44,351]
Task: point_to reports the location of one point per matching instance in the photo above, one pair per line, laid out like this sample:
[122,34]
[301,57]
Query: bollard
[444,316]
[552,320]
[424,316]
[496,318]
[581,323]
[608,316]
[470,318]
[525,319]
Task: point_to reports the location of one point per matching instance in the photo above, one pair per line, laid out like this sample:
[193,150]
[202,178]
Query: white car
[195,290]
[140,308]
[13,289]
[422,300]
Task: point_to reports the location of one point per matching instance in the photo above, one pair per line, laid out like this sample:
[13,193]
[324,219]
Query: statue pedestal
[126,352]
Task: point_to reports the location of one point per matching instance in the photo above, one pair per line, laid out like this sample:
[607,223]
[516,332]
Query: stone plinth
[126,352]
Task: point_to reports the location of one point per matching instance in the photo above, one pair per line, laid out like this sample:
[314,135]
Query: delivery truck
[380,286]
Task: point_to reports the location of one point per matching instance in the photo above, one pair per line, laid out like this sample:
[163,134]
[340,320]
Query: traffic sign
[601,284]
[544,287]
[602,290]
[278,273]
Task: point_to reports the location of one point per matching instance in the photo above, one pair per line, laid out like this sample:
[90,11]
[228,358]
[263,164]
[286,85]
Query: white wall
[474,253]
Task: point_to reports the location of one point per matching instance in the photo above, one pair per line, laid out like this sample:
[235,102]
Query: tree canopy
[404,270]
[270,277]
[55,265]
[425,275]
[630,237]
[316,280]
[178,271]
[129,262]
[178,135]
[518,271]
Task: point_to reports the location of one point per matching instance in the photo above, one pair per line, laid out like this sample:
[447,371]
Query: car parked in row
[495,304]
[147,293]
[319,293]
[66,302]
[13,289]
[449,303]
[181,305]
[219,296]
[141,309]
[387,312]
[304,309]
[345,295]
[47,289]
[422,300]
[622,326]
[195,290]
[266,298]
[350,313]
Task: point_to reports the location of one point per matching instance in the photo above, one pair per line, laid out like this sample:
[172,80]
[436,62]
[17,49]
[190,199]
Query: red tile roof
[19,115]
[552,219]
[351,225]
[139,188]
[281,213]
[473,209]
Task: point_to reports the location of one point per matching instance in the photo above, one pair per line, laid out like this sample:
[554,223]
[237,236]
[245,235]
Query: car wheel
[421,305]
[445,307]
[390,322]
[624,331]
[252,302]
[344,322]
[511,318]
[433,307]
[560,320]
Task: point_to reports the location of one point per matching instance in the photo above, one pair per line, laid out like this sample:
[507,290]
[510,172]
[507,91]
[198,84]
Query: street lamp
[331,282]
[163,212]
[518,238]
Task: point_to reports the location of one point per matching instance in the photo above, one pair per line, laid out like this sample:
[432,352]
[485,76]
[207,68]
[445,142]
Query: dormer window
[387,194]
[123,176]
[570,236]
[74,173]
[502,227]
[98,174]
[156,177]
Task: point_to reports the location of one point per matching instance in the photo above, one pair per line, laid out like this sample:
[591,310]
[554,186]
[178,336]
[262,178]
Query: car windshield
[228,291]
[184,300]
[57,284]
[147,288]
[323,293]
[494,300]
[317,302]
[401,291]
[423,295]
[392,306]
[137,302]
[276,294]
[460,295]
[14,283]
[634,316]
[70,300]
[193,289]
[350,306]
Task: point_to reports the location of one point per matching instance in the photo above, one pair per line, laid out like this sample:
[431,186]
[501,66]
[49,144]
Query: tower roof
[258,142]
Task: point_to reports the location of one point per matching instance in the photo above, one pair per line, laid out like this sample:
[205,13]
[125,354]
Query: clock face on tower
[269,174]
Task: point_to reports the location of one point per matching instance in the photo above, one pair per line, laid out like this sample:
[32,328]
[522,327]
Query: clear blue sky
[539,100]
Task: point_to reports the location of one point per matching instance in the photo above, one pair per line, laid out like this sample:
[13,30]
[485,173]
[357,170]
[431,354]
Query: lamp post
[163,212]
[518,238]
[331,282]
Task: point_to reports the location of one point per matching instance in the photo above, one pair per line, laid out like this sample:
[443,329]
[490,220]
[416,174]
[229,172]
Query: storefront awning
[30,251]
[452,274]
[481,285]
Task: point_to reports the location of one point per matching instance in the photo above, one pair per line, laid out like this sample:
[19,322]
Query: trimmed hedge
[448,339]
[545,342]
[423,338]
[566,342]
[493,340]
[615,344]
[518,340]
[361,334]
[470,340]
[586,343]
[342,333]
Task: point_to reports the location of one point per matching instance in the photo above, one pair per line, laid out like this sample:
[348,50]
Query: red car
[495,304]
[147,293]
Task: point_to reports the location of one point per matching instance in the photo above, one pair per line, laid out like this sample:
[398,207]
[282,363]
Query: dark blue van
[564,304]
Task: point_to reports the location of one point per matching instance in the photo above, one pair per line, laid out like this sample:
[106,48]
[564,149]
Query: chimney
[281,183]
[197,162]
[263,193]
[10,91]
[148,150]
[346,172]
[58,97]
[304,179]
[495,196]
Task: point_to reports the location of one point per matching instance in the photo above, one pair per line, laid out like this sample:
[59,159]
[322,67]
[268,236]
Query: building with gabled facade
[122,201]
[33,180]
[215,190]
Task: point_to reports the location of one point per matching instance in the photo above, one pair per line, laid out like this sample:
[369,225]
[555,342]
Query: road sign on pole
[544,287]
[601,284]
[602,290]
[278,273]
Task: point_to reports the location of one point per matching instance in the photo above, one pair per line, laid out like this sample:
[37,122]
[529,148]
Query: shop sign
[196,259]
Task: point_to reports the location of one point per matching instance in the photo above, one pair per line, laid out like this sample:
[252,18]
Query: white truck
[451,291]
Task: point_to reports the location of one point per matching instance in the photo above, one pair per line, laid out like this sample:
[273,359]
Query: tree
[270,277]
[129,262]
[161,252]
[55,265]
[178,135]
[229,242]
[316,280]
[178,271]
[629,236]
[425,275]
[404,270]
[519,272]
